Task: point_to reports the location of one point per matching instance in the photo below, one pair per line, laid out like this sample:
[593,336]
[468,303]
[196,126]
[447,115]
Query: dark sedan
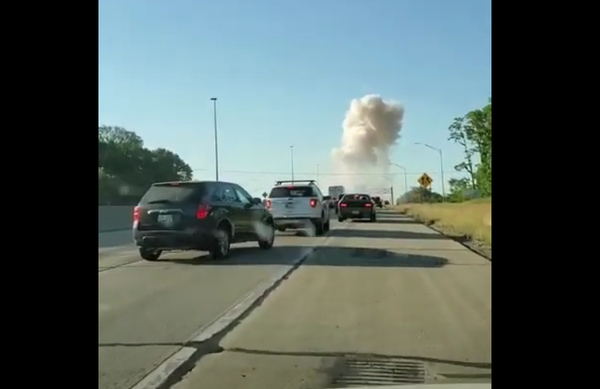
[356,206]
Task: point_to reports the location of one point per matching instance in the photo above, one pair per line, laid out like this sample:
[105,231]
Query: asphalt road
[389,302]
[374,300]
[148,310]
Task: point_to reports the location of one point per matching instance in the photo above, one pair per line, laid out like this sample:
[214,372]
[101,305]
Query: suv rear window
[296,191]
[174,193]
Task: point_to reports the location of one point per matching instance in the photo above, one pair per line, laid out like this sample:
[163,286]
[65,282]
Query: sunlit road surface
[147,310]
[386,302]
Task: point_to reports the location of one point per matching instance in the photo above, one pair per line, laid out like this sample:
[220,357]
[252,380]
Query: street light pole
[214,100]
[292,157]
[405,179]
[441,166]
[317,174]
[391,180]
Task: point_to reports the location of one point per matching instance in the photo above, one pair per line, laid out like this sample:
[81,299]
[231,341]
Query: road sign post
[425,181]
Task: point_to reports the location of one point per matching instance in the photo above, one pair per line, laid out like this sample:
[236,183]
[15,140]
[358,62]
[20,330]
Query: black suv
[199,215]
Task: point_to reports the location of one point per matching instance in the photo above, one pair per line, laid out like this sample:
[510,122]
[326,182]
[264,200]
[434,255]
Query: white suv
[294,204]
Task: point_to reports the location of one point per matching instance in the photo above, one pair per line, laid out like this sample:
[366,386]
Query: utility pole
[214,100]
[405,179]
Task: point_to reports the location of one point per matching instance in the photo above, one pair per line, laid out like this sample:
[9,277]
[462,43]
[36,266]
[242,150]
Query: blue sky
[285,72]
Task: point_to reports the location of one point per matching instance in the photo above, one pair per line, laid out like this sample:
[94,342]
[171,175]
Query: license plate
[355,212]
[166,220]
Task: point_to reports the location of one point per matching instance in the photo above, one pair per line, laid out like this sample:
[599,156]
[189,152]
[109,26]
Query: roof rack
[279,182]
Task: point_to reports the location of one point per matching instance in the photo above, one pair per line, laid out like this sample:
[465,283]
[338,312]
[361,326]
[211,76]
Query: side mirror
[257,201]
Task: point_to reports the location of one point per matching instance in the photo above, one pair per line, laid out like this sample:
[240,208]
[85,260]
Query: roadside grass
[471,219]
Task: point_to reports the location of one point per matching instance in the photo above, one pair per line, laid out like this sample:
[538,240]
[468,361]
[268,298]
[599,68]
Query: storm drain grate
[371,372]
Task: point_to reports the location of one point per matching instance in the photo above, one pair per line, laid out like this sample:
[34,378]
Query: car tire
[340,219]
[268,243]
[221,244]
[373,218]
[319,224]
[281,229]
[150,254]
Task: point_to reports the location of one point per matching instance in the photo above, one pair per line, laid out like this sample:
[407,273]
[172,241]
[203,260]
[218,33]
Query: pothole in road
[373,371]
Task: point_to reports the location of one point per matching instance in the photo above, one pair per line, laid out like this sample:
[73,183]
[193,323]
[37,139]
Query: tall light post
[292,158]
[405,179]
[214,100]
[391,180]
[317,174]
[441,166]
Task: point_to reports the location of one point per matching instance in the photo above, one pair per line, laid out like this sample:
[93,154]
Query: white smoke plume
[371,127]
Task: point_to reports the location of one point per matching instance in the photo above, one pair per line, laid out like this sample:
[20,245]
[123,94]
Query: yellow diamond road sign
[425,181]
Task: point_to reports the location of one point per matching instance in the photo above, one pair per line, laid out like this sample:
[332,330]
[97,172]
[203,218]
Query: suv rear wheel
[319,226]
[326,226]
[150,254]
[267,237]
[221,244]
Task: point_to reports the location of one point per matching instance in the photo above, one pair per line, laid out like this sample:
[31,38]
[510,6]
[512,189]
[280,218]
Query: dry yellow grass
[471,218]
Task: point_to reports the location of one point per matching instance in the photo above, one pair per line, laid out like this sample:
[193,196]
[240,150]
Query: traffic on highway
[294,195]
[299,299]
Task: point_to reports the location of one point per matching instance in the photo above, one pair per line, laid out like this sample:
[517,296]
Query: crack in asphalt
[156,344]
[102,269]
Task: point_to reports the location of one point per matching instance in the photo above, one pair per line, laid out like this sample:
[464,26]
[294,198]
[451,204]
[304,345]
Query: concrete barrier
[114,218]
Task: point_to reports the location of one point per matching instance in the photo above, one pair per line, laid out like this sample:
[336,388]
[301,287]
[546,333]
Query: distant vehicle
[199,215]
[386,202]
[336,193]
[357,206]
[294,204]
[377,201]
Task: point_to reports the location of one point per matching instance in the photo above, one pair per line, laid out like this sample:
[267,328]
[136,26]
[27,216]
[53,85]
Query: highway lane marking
[158,376]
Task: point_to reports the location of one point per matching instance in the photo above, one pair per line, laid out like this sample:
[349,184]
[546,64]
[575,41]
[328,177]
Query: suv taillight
[313,202]
[368,205]
[268,204]
[203,211]
[136,214]
[343,205]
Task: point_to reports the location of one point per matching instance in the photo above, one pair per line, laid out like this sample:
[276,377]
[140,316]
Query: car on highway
[297,204]
[199,215]
[357,206]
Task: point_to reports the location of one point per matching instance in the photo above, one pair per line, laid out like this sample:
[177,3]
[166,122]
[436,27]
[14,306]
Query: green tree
[126,168]
[474,133]
[458,134]
[458,186]
[480,130]
[420,195]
